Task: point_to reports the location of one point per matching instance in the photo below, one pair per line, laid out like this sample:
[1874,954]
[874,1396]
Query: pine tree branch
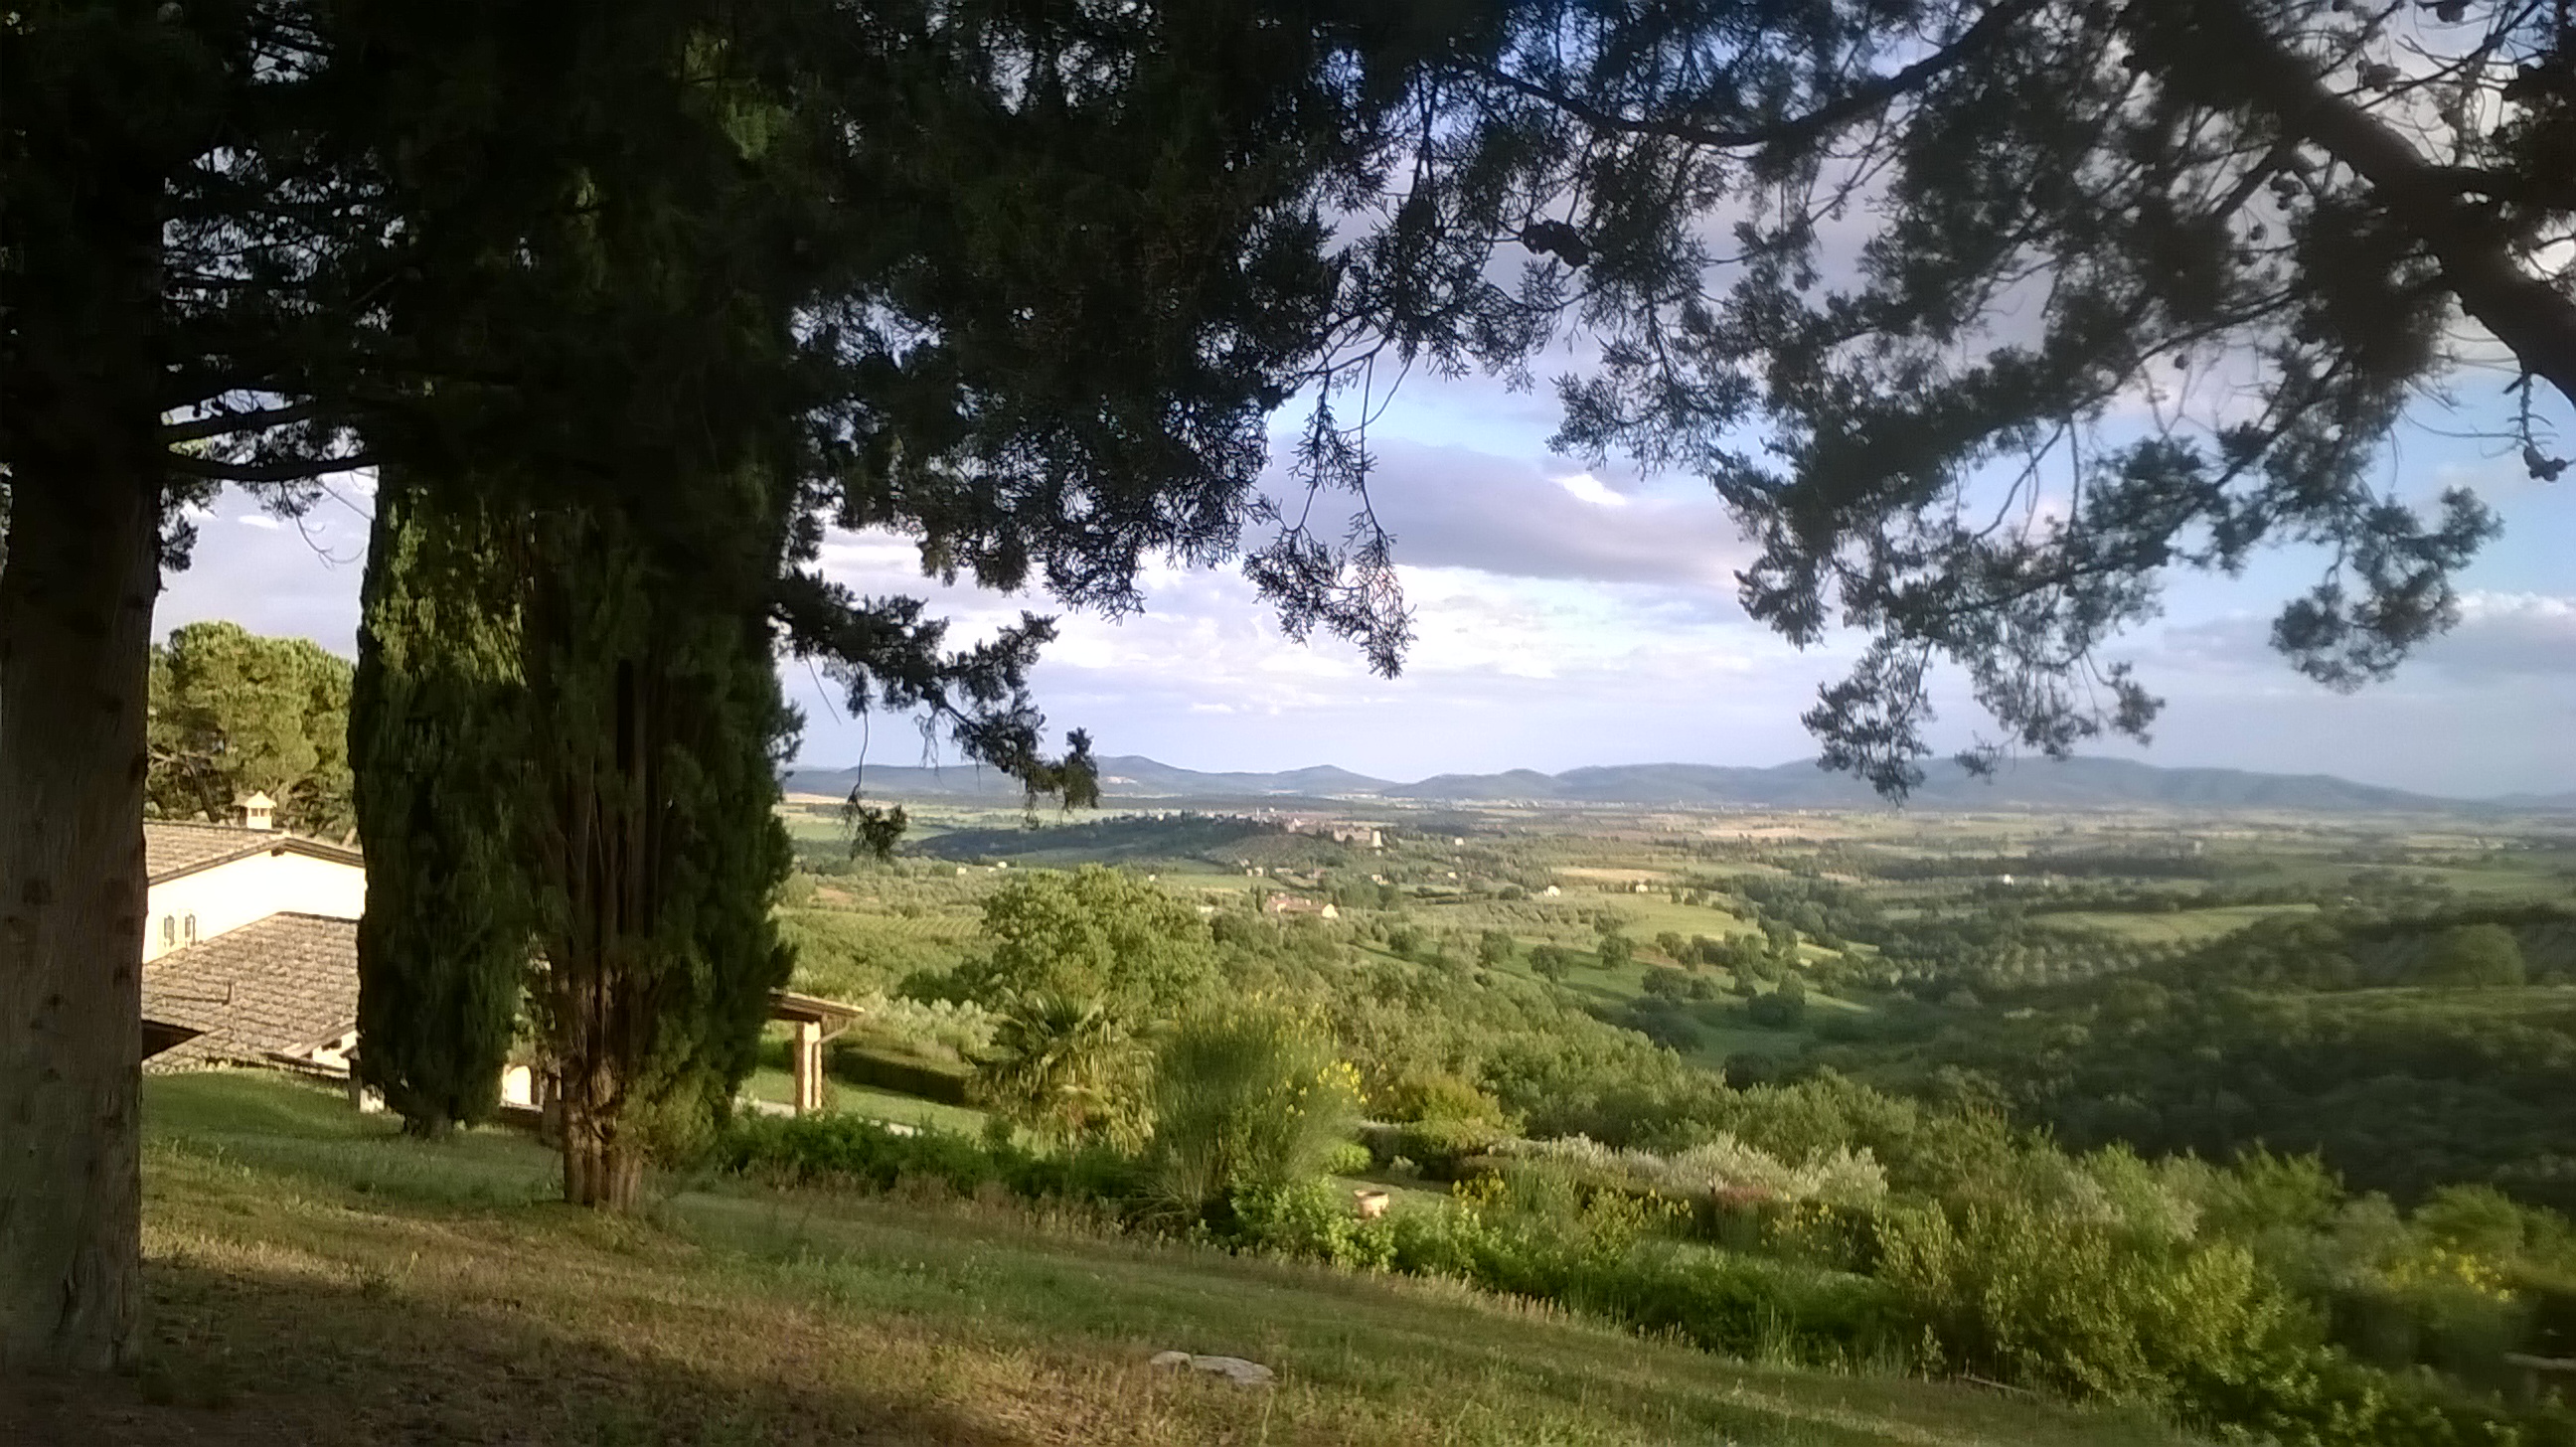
[225,423]
[301,469]
[1870,97]
[2533,319]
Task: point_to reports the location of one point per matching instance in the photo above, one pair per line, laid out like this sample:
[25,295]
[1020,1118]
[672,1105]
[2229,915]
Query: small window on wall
[188,929]
[169,930]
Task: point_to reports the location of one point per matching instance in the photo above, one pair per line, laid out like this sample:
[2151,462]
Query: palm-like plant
[1068,1069]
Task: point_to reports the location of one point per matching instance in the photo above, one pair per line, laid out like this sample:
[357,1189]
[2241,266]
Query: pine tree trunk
[82,392]
[75,629]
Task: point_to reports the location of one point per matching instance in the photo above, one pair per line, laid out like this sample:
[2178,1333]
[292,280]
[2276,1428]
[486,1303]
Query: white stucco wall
[231,895]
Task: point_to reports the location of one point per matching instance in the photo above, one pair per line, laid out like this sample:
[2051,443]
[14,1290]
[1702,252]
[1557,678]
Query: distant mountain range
[2027,784]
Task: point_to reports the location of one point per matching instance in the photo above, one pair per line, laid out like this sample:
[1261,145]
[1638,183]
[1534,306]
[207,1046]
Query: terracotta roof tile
[173,847]
[281,983]
[170,848]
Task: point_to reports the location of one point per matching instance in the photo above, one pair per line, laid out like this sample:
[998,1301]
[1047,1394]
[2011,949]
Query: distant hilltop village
[1340,831]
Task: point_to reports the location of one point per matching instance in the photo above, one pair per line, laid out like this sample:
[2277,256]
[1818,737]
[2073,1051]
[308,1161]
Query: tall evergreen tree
[599,286]
[655,733]
[926,294]
[438,736]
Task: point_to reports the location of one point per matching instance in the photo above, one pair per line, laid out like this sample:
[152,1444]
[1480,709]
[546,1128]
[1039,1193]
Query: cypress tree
[655,728]
[566,746]
[435,736]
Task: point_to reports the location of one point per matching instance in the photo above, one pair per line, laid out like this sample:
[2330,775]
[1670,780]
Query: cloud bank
[1569,615]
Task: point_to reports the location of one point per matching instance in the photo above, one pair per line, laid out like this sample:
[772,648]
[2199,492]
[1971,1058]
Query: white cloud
[2510,635]
[1534,517]
[1584,487]
[2500,636]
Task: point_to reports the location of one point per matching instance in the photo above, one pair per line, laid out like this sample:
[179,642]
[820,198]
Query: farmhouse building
[250,957]
[250,945]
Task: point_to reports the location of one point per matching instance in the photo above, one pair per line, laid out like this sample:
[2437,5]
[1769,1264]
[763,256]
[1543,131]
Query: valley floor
[314,1278]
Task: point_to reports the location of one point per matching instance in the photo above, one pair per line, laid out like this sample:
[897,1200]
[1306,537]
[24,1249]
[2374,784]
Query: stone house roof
[172,848]
[286,984]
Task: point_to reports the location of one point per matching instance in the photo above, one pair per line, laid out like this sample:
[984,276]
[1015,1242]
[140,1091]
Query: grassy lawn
[313,1278]
[1652,914]
[869,1103]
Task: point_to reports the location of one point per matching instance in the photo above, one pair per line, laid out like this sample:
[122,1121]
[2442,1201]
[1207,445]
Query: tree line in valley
[1168,1070]
[2399,1046]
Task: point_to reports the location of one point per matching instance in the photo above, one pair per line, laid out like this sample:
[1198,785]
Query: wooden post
[809,1066]
[2535,1372]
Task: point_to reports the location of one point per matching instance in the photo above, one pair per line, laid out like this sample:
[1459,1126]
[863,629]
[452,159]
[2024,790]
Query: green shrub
[1551,962]
[1248,1100]
[1092,934]
[1443,1149]
[1419,1094]
[2079,1305]
[1603,1253]
[2473,955]
[1313,1221]
[903,1075]
[2458,1325]
[1782,1009]
[846,1151]
[2316,1397]
[1068,1069]
[1349,1158]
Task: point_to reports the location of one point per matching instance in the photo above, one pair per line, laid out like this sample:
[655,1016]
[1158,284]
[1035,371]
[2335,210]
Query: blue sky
[1569,617]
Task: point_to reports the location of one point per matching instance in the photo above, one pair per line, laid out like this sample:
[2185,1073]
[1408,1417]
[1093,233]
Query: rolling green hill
[315,1278]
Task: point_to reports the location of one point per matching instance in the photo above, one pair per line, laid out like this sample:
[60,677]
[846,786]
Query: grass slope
[315,1279]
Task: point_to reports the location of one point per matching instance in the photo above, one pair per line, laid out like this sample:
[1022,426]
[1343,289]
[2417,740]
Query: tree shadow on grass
[237,1358]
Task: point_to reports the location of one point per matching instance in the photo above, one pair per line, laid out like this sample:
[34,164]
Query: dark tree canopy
[665,290]
[1021,283]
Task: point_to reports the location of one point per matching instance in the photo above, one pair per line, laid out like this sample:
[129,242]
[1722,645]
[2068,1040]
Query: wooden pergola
[816,1020]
